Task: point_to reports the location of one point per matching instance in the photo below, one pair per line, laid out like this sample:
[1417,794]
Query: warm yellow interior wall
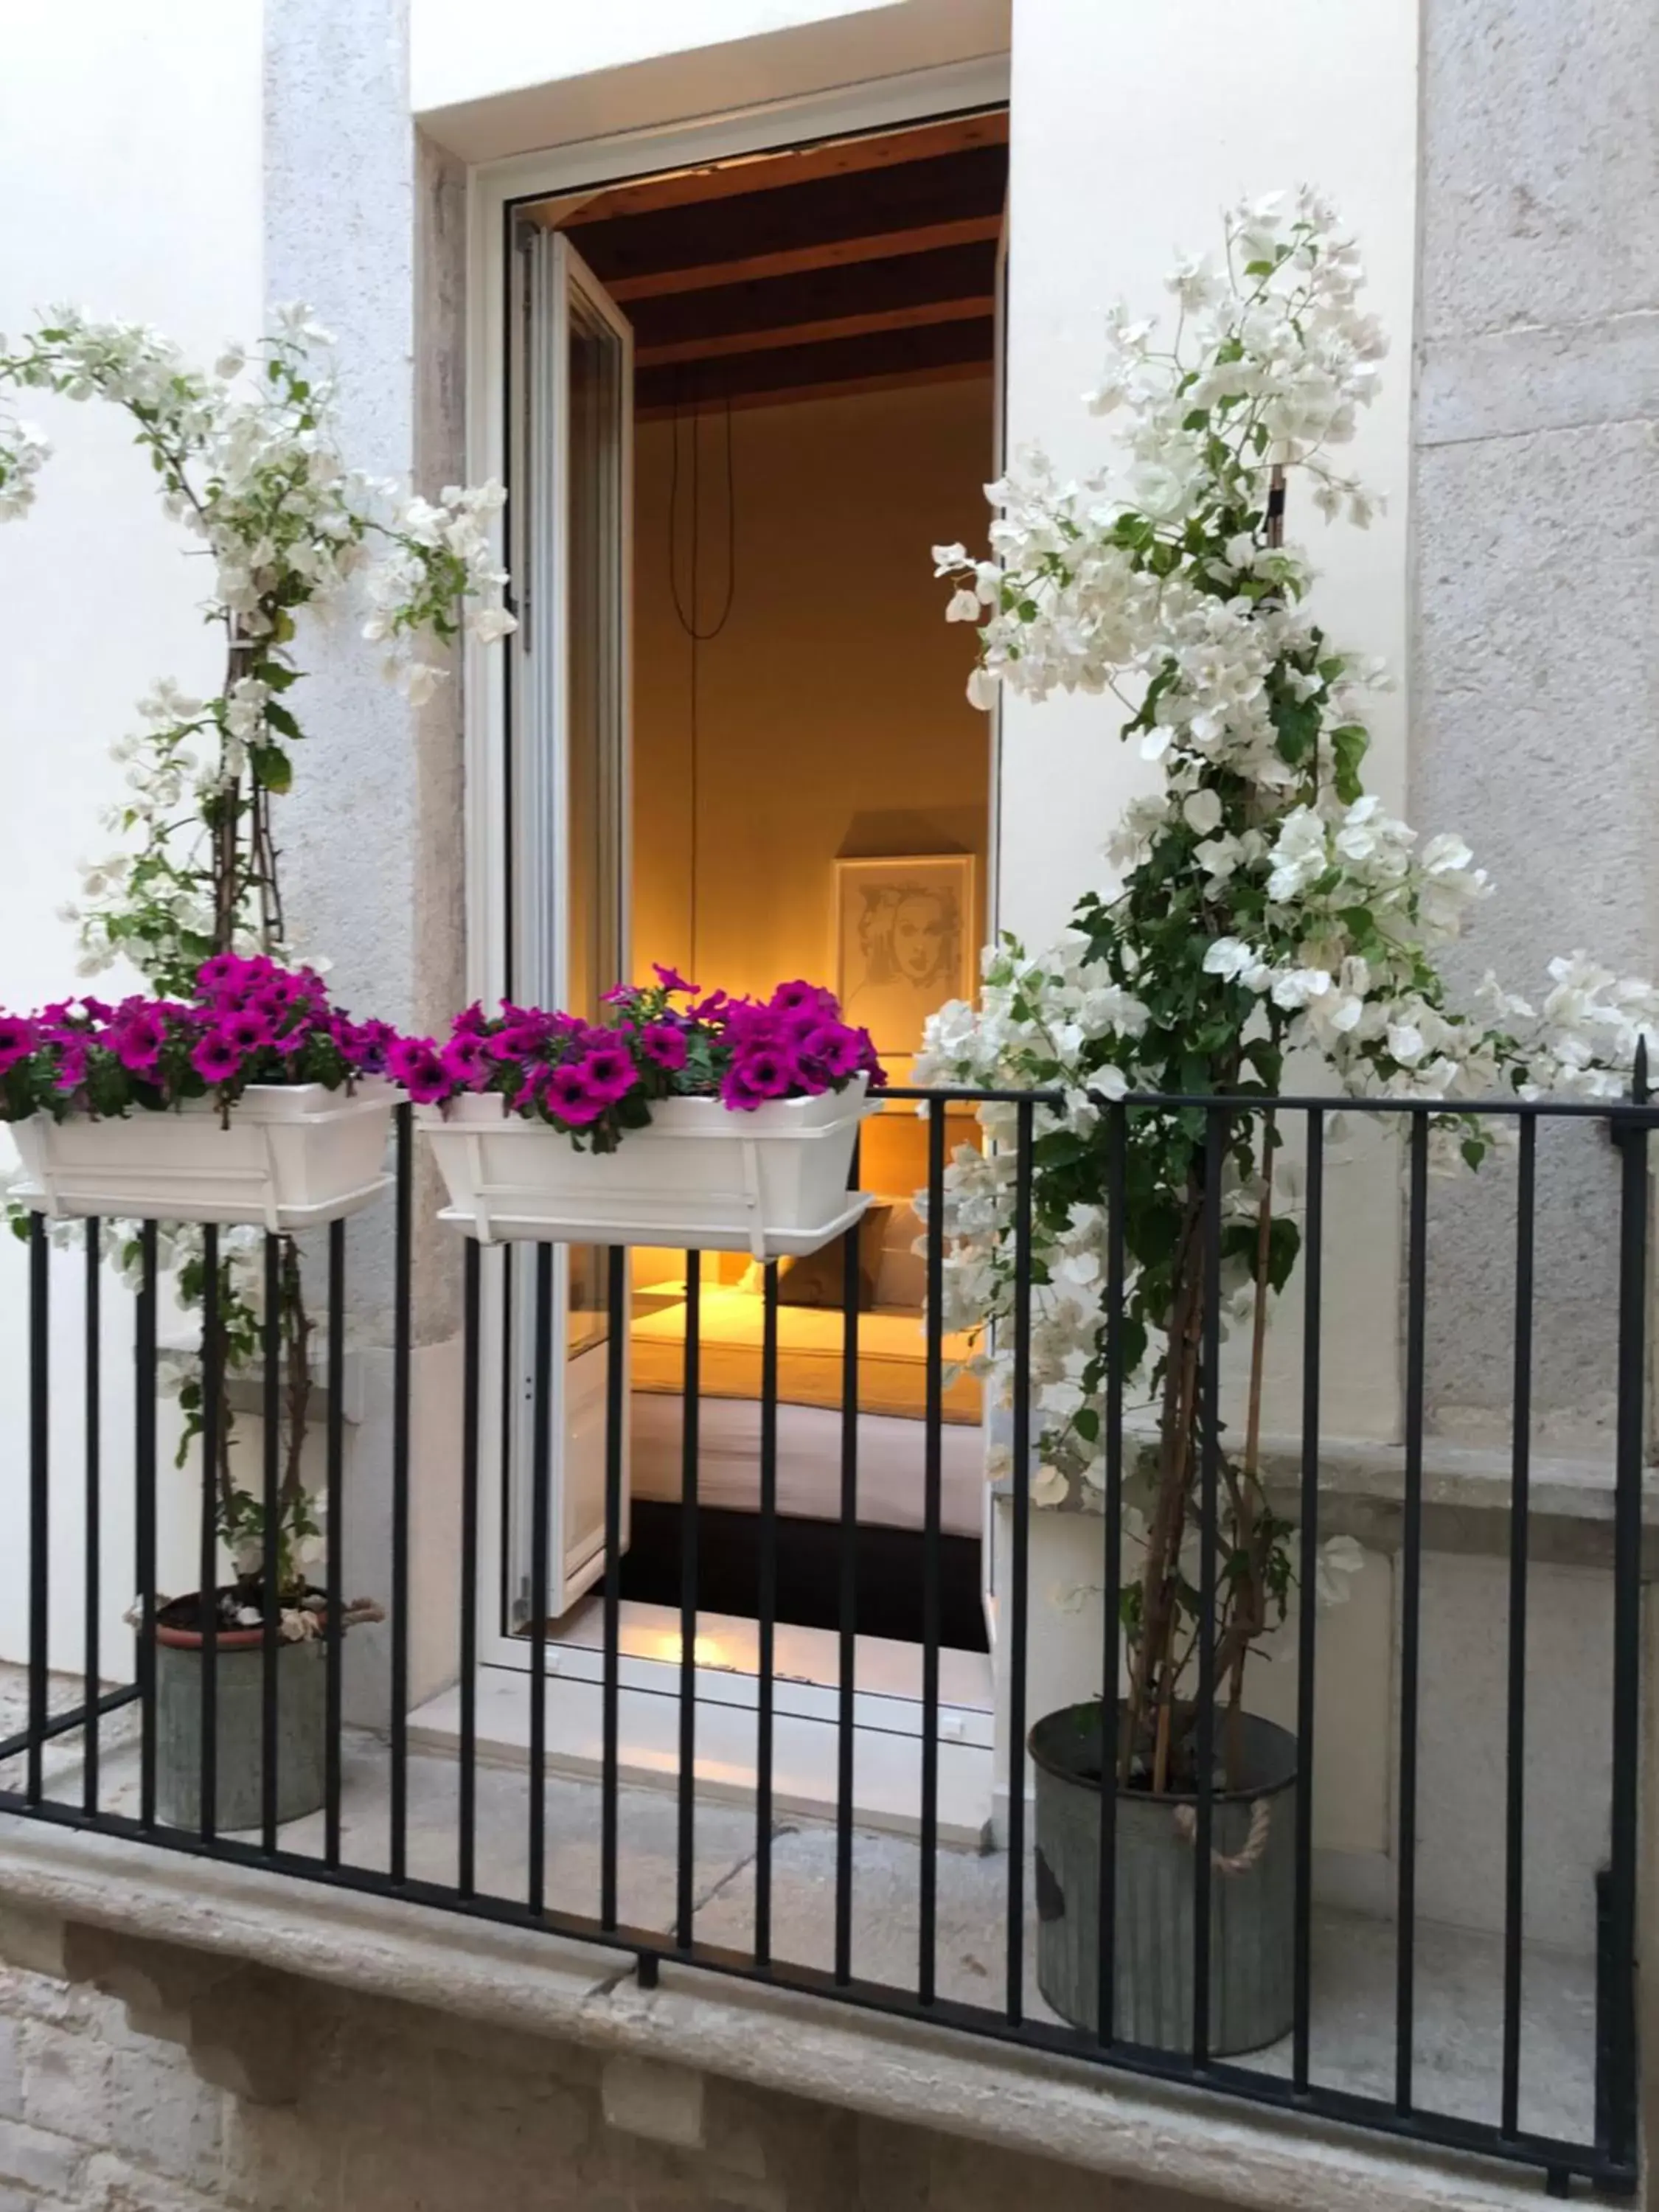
[832,712]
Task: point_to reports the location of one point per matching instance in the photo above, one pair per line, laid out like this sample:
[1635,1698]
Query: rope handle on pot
[1239,1861]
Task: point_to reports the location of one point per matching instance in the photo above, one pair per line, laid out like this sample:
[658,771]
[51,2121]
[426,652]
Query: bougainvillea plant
[1264,902]
[249,1022]
[247,461]
[597,1081]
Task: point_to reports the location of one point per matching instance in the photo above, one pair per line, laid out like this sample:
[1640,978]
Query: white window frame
[493,189]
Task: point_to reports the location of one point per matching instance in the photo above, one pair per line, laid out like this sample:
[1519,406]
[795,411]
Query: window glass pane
[596,716]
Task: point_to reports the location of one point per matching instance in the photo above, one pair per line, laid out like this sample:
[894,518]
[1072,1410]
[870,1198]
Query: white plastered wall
[129,169]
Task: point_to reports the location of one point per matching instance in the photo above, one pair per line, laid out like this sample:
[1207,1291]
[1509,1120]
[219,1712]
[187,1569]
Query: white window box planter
[770,1183]
[293,1155]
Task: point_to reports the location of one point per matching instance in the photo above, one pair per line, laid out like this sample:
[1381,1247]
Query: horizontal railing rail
[122,1777]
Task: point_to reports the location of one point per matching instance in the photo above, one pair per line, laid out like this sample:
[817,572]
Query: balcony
[850,1816]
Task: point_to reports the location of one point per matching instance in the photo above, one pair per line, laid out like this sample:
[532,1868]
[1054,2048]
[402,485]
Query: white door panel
[571,747]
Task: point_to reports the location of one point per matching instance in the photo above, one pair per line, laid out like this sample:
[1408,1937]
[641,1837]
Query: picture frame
[906,940]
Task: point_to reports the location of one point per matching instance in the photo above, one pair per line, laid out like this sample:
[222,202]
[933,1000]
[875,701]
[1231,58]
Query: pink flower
[803,998]
[136,1038]
[246,1028]
[568,1097]
[216,1059]
[18,1039]
[414,1062]
[833,1051]
[755,1076]
[664,1046]
[608,1071]
[670,978]
[468,1062]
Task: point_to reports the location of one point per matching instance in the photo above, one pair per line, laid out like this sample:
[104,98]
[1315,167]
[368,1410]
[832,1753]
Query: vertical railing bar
[270,1554]
[92,1600]
[1020,1560]
[1313,1256]
[847,1601]
[1519,1515]
[1111,1595]
[686,1849]
[1215,1131]
[39,1498]
[212,1407]
[616,1416]
[334,1547]
[767,1617]
[402,1293]
[471,1408]
[540,1520]
[1411,1614]
[1621,2078]
[932,1475]
[144,1547]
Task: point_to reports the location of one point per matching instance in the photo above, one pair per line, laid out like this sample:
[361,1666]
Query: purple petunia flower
[664,1046]
[608,1071]
[216,1059]
[246,1028]
[72,1067]
[833,1051]
[18,1039]
[468,1061]
[414,1062]
[765,1071]
[803,998]
[136,1038]
[670,978]
[568,1097]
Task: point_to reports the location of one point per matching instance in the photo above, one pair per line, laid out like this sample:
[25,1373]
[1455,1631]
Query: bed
[892,1396]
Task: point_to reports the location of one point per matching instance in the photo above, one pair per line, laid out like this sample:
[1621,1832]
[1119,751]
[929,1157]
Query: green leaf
[1349,746]
[280,719]
[272,767]
[1296,721]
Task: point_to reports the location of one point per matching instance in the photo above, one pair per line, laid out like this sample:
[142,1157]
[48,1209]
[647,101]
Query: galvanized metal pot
[302,1717]
[1252,1891]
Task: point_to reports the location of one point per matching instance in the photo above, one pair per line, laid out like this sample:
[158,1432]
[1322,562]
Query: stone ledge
[1466,1499]
[767,2039]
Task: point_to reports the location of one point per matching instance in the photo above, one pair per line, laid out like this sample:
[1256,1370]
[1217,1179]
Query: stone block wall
[1534,677]
[397,2109]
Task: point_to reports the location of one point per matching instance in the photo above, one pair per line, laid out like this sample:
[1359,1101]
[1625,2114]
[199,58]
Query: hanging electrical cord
[688,620]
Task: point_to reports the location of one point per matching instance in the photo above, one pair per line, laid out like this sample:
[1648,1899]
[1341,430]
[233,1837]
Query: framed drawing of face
[907,938]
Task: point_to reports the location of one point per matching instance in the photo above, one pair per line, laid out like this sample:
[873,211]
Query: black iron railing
[1293,2078]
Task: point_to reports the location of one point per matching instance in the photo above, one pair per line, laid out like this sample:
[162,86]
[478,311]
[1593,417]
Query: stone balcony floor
[1458,2029]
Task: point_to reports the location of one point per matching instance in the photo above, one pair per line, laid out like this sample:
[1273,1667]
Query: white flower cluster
[249,464]
[1309,915]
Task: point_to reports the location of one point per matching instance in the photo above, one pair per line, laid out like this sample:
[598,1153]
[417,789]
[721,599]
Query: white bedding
[890,1471]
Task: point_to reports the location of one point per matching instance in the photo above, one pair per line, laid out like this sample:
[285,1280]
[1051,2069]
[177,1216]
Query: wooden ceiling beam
[922,314]
[798,261]
[791,166]
[817,295]
[829,361]
[827,211]
[901,379]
